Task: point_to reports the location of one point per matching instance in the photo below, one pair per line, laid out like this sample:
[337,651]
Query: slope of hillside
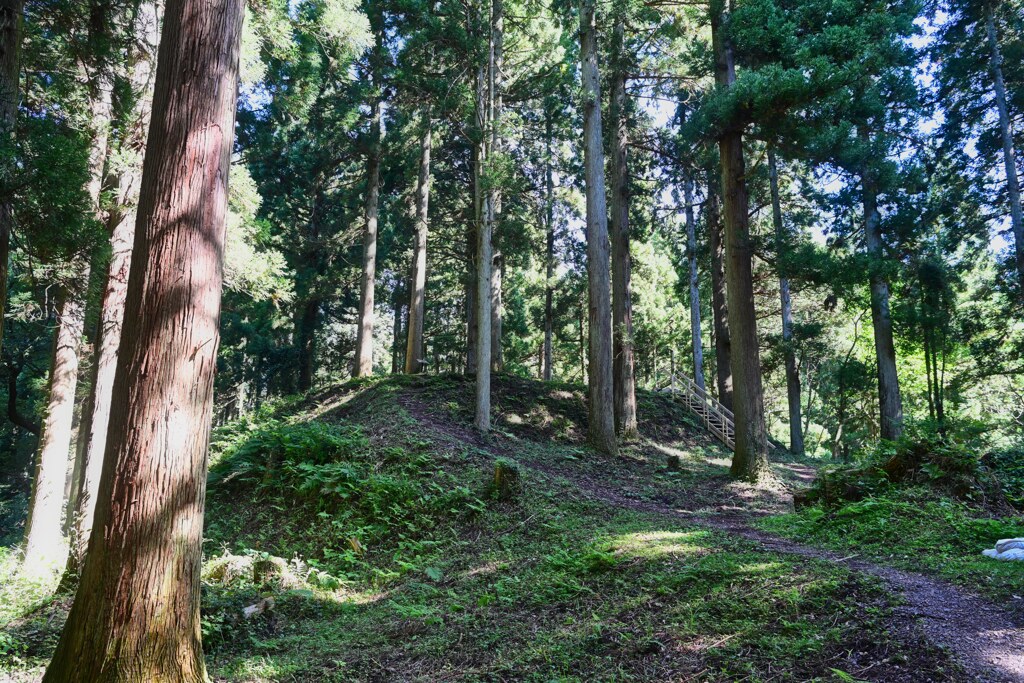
[364,529]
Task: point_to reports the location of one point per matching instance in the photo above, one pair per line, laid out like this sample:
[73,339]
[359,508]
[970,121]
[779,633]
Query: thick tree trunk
[601,406]
[796,432]
[750,460]
[121,223]
[136,613]
[11,17]
[44,541]
[414,362]
[890,403]
[549,257]
[691,253]
[719,305]
[362,362]
[624,374]
[1006,133]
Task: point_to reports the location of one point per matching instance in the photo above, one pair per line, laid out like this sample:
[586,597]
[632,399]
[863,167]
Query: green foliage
[912,528]
[948,464]
[369,510]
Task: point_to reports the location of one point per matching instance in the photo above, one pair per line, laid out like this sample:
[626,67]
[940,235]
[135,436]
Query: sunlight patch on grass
[652,544]
[759,567]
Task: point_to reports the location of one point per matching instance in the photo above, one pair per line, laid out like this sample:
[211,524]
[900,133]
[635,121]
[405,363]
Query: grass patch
[917,530]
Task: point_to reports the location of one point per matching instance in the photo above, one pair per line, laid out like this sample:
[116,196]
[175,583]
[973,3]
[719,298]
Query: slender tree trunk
[601,394]
[890,402]
[362,364]
[136,613]
[691,253]
[796,433]
[121,224]
[44,542]
[549,259]
[399,298]
[11,17]
[417,301]
[719,305]
[1006,133]
[484,251]
[624,372]
[750,460]
[306,325]
[496,87]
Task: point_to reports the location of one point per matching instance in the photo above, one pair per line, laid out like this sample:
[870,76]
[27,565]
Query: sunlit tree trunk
[1006,133]
[750,460]
[719,305]
[624,373]
[121,223]
[11,17]
[136,613]
[796,433]
[44,541]
[601,407]
[890,403]
[417,301]
[691,254]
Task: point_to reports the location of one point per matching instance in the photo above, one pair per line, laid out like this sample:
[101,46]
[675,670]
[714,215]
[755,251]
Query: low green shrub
[347,500]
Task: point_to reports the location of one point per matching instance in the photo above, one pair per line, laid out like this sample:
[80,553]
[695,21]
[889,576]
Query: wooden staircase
[718,419]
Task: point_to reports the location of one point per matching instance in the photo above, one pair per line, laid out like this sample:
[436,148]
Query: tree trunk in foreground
[890,403]
[691,253]
[1006,133]
[11,17]
[719,305]
[136,614]
[362,363]
[624,373]
[796,432]
[121,223]
[750,460]
[414,362]
[44,539]
[601,387]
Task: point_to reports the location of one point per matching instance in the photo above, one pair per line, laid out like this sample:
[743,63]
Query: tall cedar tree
[601,408]
[750,460]
[136,613]
[622,306]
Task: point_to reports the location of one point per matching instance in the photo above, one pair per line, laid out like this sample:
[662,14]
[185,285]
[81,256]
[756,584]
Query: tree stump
[507,480]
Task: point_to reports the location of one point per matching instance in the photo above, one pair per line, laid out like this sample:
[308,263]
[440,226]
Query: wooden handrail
[717,419]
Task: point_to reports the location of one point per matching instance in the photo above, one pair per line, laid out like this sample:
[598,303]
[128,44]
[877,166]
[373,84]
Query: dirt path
[985,639]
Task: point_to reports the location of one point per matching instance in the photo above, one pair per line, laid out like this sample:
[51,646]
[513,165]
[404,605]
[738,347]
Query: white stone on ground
[1007,549]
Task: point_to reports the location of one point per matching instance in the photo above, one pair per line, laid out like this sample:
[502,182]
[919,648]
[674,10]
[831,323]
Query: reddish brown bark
[622,304]
[750,460]
[601,405]
[121,224]
[136,613]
